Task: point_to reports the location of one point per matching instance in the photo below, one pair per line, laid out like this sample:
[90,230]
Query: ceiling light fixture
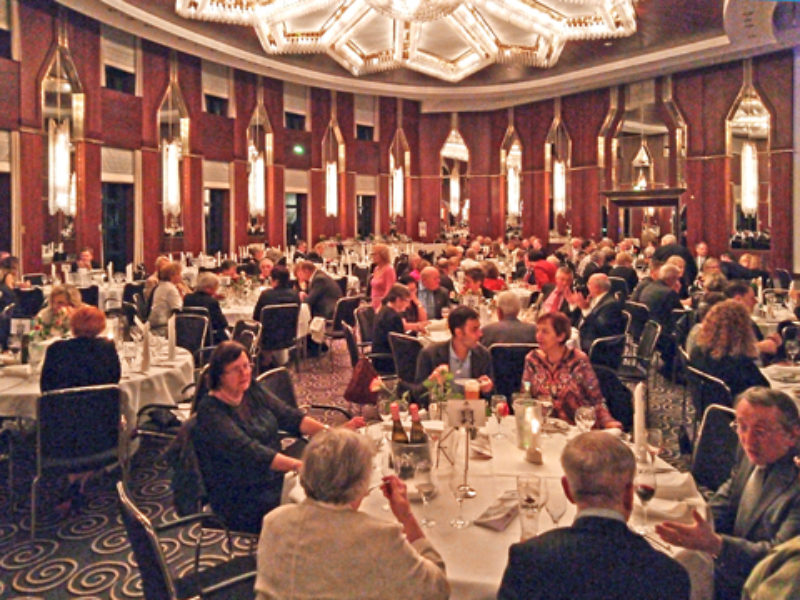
[446,39]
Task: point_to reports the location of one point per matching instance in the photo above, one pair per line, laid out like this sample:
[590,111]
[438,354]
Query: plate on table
[555,425]
[787,377]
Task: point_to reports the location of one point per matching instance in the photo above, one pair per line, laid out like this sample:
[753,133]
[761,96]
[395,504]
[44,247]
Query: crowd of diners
[321,542]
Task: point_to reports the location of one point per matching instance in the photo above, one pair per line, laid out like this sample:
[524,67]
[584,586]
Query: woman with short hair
[62,303]
[325,547]
[383,275]
[205,296]
[166,297]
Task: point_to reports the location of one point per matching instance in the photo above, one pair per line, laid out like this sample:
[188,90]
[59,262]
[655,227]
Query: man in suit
[598,556]
[670,247]
[560,297]
[733,270]
[743,293]
[701,255]
[661,298]
[602,316]
[323,291]
[508,329]
[759,506]
[465,357]
[431,294]
[623,268]
[443,264]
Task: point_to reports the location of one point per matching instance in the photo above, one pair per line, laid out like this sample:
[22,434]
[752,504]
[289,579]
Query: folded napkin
[17,370]
[665,510]
[480,447]
[501,512]
[674,485]
[317,329]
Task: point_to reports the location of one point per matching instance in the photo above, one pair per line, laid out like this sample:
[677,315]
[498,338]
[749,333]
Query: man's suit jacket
[573,314]
[628,274]
[441,298]
[594,559]
[508,331]
[219,324]
[660,300]
[662,253]
[446,282]
[733,270]
[272,296]
[746,540]
[323,292]
[605,319]
[78,362]
[439,353]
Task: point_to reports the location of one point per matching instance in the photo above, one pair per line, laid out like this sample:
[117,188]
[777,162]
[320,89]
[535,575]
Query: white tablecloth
[785,378]
[476,557]
[161,384]
[237,312]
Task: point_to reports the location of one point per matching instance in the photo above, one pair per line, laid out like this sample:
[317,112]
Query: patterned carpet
[87,555]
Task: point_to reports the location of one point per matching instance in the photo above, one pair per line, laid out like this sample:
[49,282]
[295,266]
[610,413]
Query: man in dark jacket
[670,247]
[602,317]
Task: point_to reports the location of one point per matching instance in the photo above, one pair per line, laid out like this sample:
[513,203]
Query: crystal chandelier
[446,39]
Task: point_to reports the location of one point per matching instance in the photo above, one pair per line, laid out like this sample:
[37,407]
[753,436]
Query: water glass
[532,495]
[585,418]
[423,480]
[792,349]
[497,400]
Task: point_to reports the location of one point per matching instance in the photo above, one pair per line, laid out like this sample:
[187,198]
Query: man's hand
[485,384]
[699,536]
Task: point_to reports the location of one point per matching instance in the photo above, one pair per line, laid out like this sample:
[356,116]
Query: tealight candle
[534,453]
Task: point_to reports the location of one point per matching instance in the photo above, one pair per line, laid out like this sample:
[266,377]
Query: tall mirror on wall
[747,130]
[557,160]
[260,146]
[173,133]
[511,166]
[62,118]
[454,207]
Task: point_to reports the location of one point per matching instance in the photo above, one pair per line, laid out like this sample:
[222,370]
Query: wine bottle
[418,435]
[398,433]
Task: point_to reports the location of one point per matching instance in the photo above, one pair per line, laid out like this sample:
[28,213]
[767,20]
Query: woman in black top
[389,319]
[204,296]
[281,292]
[237,440]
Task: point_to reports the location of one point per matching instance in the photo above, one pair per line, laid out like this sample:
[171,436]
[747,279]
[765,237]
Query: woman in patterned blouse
[564,373]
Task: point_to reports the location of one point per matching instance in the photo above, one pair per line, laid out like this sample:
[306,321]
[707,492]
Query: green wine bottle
[398,433]
[418,435]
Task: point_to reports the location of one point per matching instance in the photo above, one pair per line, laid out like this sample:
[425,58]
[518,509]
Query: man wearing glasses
[759,506]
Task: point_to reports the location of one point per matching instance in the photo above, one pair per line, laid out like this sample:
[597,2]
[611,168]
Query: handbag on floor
[358,391]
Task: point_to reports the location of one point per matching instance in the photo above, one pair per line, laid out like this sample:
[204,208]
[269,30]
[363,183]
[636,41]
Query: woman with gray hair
[316,548]
[204,296]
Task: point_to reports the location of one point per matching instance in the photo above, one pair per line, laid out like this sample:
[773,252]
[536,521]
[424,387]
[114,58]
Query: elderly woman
[237,440]
[204,296]
[166,297]
[326,548]
[63,301]
[564,373]
[726,347]
[492,280]
[383,275]
[84,359]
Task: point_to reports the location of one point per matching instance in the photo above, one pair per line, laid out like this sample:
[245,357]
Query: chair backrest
[279,382]
[647,341]
[248,333]
[365,318]
[639,315]
[342,283]
[607,350]
[156,578]
[142,306]
[405,350]
[363,275]
[132,288]
[279,326]
[352,345]
[90,295]
[29,302]
[705,390]
[715,448]
[784,278]
[65,416]
[681,321]
[618,396]
[34,278]
[619,288]
[345,311]
[508,363]
[190,331]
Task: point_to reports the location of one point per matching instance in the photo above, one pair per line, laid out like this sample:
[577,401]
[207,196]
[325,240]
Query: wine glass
[556,502]
[454,474]
[792,349]
[644,484]
[546,403]
[655,442]
[497,400]
[585,418]
[384,409]
[423,479]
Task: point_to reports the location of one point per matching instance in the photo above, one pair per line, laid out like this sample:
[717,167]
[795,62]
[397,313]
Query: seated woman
[281,292]
[55,317]
[166,297]
[564,373]
[414,316]
[726,347]
[389,319]
[325,547]
[204,296]
[8,281]
[492,281]
[84,359]
[237,440]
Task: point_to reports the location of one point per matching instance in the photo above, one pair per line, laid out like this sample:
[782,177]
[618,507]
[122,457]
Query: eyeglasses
[757,431]
[239,370]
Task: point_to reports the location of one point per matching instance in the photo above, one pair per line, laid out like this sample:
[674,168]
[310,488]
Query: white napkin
[674,485]
[317,329]
[500,512]
[129,272]
[171,339]
[639,414]
[145,362]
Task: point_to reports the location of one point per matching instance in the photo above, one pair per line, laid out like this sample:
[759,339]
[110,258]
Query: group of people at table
[752,535]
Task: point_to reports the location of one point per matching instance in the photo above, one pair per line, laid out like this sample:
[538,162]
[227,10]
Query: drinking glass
[556,501]
[496,400]
[384,409]
[129,354]
[585,418]
[792,348]
[532,495]
[644,484]
[454,475]
[423,479]
[546,402]
[655,442]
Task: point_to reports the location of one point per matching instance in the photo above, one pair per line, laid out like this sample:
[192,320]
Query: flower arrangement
[50,324]
[378,386]
[439,385]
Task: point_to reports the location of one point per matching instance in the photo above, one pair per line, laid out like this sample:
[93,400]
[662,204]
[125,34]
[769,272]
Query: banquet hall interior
[211,134]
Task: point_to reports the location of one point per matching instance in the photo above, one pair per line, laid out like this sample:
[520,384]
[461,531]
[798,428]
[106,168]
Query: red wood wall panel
[122,119]
[215,135]
[9,99]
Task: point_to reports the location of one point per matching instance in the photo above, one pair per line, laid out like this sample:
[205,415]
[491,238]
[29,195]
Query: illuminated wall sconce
[559,188]
[642,167]
[256,198]
[749,179]
[398,192]
[331,190]
[60,167]
[455,193]
[171,191]
[512,178]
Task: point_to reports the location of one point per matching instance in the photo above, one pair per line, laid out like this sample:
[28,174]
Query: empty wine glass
[546,404]
[423,479]
[644,484]
[585,418]
[498,400]
[792,349]
[384,409]
[454,475]
[556,502]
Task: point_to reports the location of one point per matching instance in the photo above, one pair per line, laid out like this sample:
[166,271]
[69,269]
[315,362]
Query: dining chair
[405,350]
[715,448]
[618,396]
[607,350]
[29,302]
[365,319]
[90,295]
[344,312]
[231,579]
[705,390]
[35,279]
[191,333]
[619,288]
[638,366]
[639,316]
[279,330]
[63,420]
[131,288]
[508,363]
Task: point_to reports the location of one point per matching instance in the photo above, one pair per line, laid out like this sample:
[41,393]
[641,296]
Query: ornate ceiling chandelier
[447,39]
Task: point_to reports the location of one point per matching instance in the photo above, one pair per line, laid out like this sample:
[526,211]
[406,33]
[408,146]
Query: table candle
[534,453]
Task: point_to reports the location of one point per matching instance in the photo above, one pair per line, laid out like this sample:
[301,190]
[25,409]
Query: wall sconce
[642,167]
[512,178]
[455,193]
[60,167]
[559,188]
[398,192]
[749,179]
[331,190]
[171,191]
[256,200]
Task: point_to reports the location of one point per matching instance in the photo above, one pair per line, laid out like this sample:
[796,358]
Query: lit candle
[534,453]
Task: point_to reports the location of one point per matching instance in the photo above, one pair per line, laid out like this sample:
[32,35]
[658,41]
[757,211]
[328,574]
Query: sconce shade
[331,190]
